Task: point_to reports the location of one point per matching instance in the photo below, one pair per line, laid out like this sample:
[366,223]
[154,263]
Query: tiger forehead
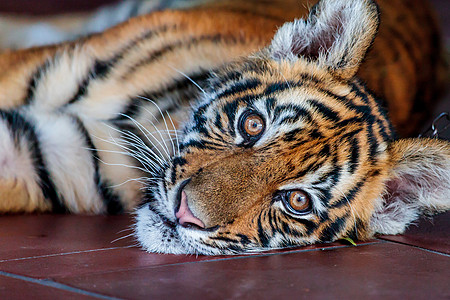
[267,76]
[302,151]
[282,102]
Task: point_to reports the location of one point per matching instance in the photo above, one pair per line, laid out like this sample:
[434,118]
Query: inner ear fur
[418,182]
[336,35]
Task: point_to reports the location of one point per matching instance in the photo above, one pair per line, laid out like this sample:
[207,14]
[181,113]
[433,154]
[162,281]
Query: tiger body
[81,130]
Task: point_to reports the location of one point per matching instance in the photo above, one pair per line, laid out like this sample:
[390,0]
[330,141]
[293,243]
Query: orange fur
[331,128]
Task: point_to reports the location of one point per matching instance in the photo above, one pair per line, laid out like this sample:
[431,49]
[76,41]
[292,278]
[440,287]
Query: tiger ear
[419,182]
[336,34]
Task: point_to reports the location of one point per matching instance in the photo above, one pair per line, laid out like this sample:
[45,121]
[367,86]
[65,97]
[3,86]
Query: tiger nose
[184,215]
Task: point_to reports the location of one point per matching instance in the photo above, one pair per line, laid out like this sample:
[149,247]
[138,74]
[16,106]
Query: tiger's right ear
[418,182]
[336,35]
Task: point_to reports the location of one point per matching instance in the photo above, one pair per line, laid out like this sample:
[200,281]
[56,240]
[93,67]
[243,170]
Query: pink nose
[184,214]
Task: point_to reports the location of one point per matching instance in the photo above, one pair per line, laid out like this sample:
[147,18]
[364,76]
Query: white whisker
[126,166]
[189,78]
[129,152]
[140,127]
[176,134]
[160,131]
[123,237]
[143,160]
[131,227]
[139,141]
[133,140]
[162,115]
[142,180]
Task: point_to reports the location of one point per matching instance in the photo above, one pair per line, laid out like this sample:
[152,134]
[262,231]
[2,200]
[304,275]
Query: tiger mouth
[170,224]
[173,225]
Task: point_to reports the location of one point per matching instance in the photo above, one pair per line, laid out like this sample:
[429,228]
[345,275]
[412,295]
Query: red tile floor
[64,256]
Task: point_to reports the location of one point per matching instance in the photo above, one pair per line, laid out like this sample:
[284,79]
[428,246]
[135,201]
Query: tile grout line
[62,254]
[417,247]
[239,257]
[273,254]
[56,285]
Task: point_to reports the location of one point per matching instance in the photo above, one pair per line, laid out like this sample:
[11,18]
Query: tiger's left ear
[336,35]
[419,182]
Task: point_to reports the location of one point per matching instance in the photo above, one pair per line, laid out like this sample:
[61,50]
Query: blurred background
[29,11]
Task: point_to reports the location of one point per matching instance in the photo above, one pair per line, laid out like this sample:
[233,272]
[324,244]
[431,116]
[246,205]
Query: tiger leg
[47,163]
[19,160]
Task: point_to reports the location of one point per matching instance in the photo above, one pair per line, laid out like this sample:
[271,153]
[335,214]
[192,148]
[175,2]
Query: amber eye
[297,201]
[251,126]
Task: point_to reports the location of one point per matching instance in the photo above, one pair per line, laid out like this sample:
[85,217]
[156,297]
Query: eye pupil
[297,201]
[253,125]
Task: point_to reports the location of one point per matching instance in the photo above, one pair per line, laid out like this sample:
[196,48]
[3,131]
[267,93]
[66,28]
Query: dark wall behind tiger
[50,7]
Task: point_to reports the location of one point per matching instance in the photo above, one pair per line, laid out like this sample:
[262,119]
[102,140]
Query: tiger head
[287,147]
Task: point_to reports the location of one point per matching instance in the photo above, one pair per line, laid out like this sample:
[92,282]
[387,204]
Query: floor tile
[432,234]
[45,246]
[34,235]
[98,261]
[12,288]
[385,270]
[93,262]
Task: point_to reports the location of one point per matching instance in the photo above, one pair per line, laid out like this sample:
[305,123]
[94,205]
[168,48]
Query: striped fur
[85,125]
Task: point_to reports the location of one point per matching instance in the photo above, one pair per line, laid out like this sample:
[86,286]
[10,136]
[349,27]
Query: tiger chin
[288,147]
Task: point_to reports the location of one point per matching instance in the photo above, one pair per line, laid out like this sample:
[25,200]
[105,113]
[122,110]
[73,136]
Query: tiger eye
[253,125]
[299,201]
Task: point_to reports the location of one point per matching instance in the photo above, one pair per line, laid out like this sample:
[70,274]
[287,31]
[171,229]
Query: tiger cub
[286,141]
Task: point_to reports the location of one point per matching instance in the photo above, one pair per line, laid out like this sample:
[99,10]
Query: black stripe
[134,105]
[311,168]
[157,54]
[181,85]
[239,87]
[244,239]
[23,129]
[219,80]
[270,105]
[278,87]
[347,198]
[272,221]
[325,111]
[218,122]
[179,161]
[299,113]
[292,135]
[354,155]
[230,110]
[387,129]
[365,110]
[110,199]
[263,238]
[373,145]
[101,68]
[34,80]
[224,239]
[131,111]
[202,144]
[310,226]
[331,176]
[329,234]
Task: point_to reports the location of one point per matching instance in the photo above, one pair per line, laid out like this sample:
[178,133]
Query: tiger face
[286,147]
